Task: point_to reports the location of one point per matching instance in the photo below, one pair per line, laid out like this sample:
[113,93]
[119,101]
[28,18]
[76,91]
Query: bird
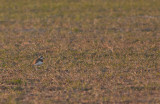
[38,62]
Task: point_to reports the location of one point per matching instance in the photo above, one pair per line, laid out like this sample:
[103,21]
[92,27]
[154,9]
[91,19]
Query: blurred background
[96,51]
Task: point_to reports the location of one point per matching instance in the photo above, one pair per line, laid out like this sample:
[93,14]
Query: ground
[96,51]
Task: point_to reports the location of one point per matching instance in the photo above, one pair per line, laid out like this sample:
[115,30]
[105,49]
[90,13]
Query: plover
[38,62]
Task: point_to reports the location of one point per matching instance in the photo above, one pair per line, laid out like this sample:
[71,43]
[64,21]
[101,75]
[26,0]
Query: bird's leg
[36,68]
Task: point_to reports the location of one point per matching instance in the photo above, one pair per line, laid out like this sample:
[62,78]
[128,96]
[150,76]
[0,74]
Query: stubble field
[96,51]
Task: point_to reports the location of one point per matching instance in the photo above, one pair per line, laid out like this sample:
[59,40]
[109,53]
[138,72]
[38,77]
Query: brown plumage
[38,61]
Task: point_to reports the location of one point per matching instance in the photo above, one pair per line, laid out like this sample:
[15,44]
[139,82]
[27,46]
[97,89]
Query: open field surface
[96,51]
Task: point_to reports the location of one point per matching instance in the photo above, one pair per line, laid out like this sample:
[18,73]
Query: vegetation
[96,51]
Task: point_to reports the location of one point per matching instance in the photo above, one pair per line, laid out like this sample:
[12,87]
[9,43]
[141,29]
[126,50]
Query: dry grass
[104,51]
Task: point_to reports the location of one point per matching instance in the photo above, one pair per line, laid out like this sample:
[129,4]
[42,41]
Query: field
[96,51]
